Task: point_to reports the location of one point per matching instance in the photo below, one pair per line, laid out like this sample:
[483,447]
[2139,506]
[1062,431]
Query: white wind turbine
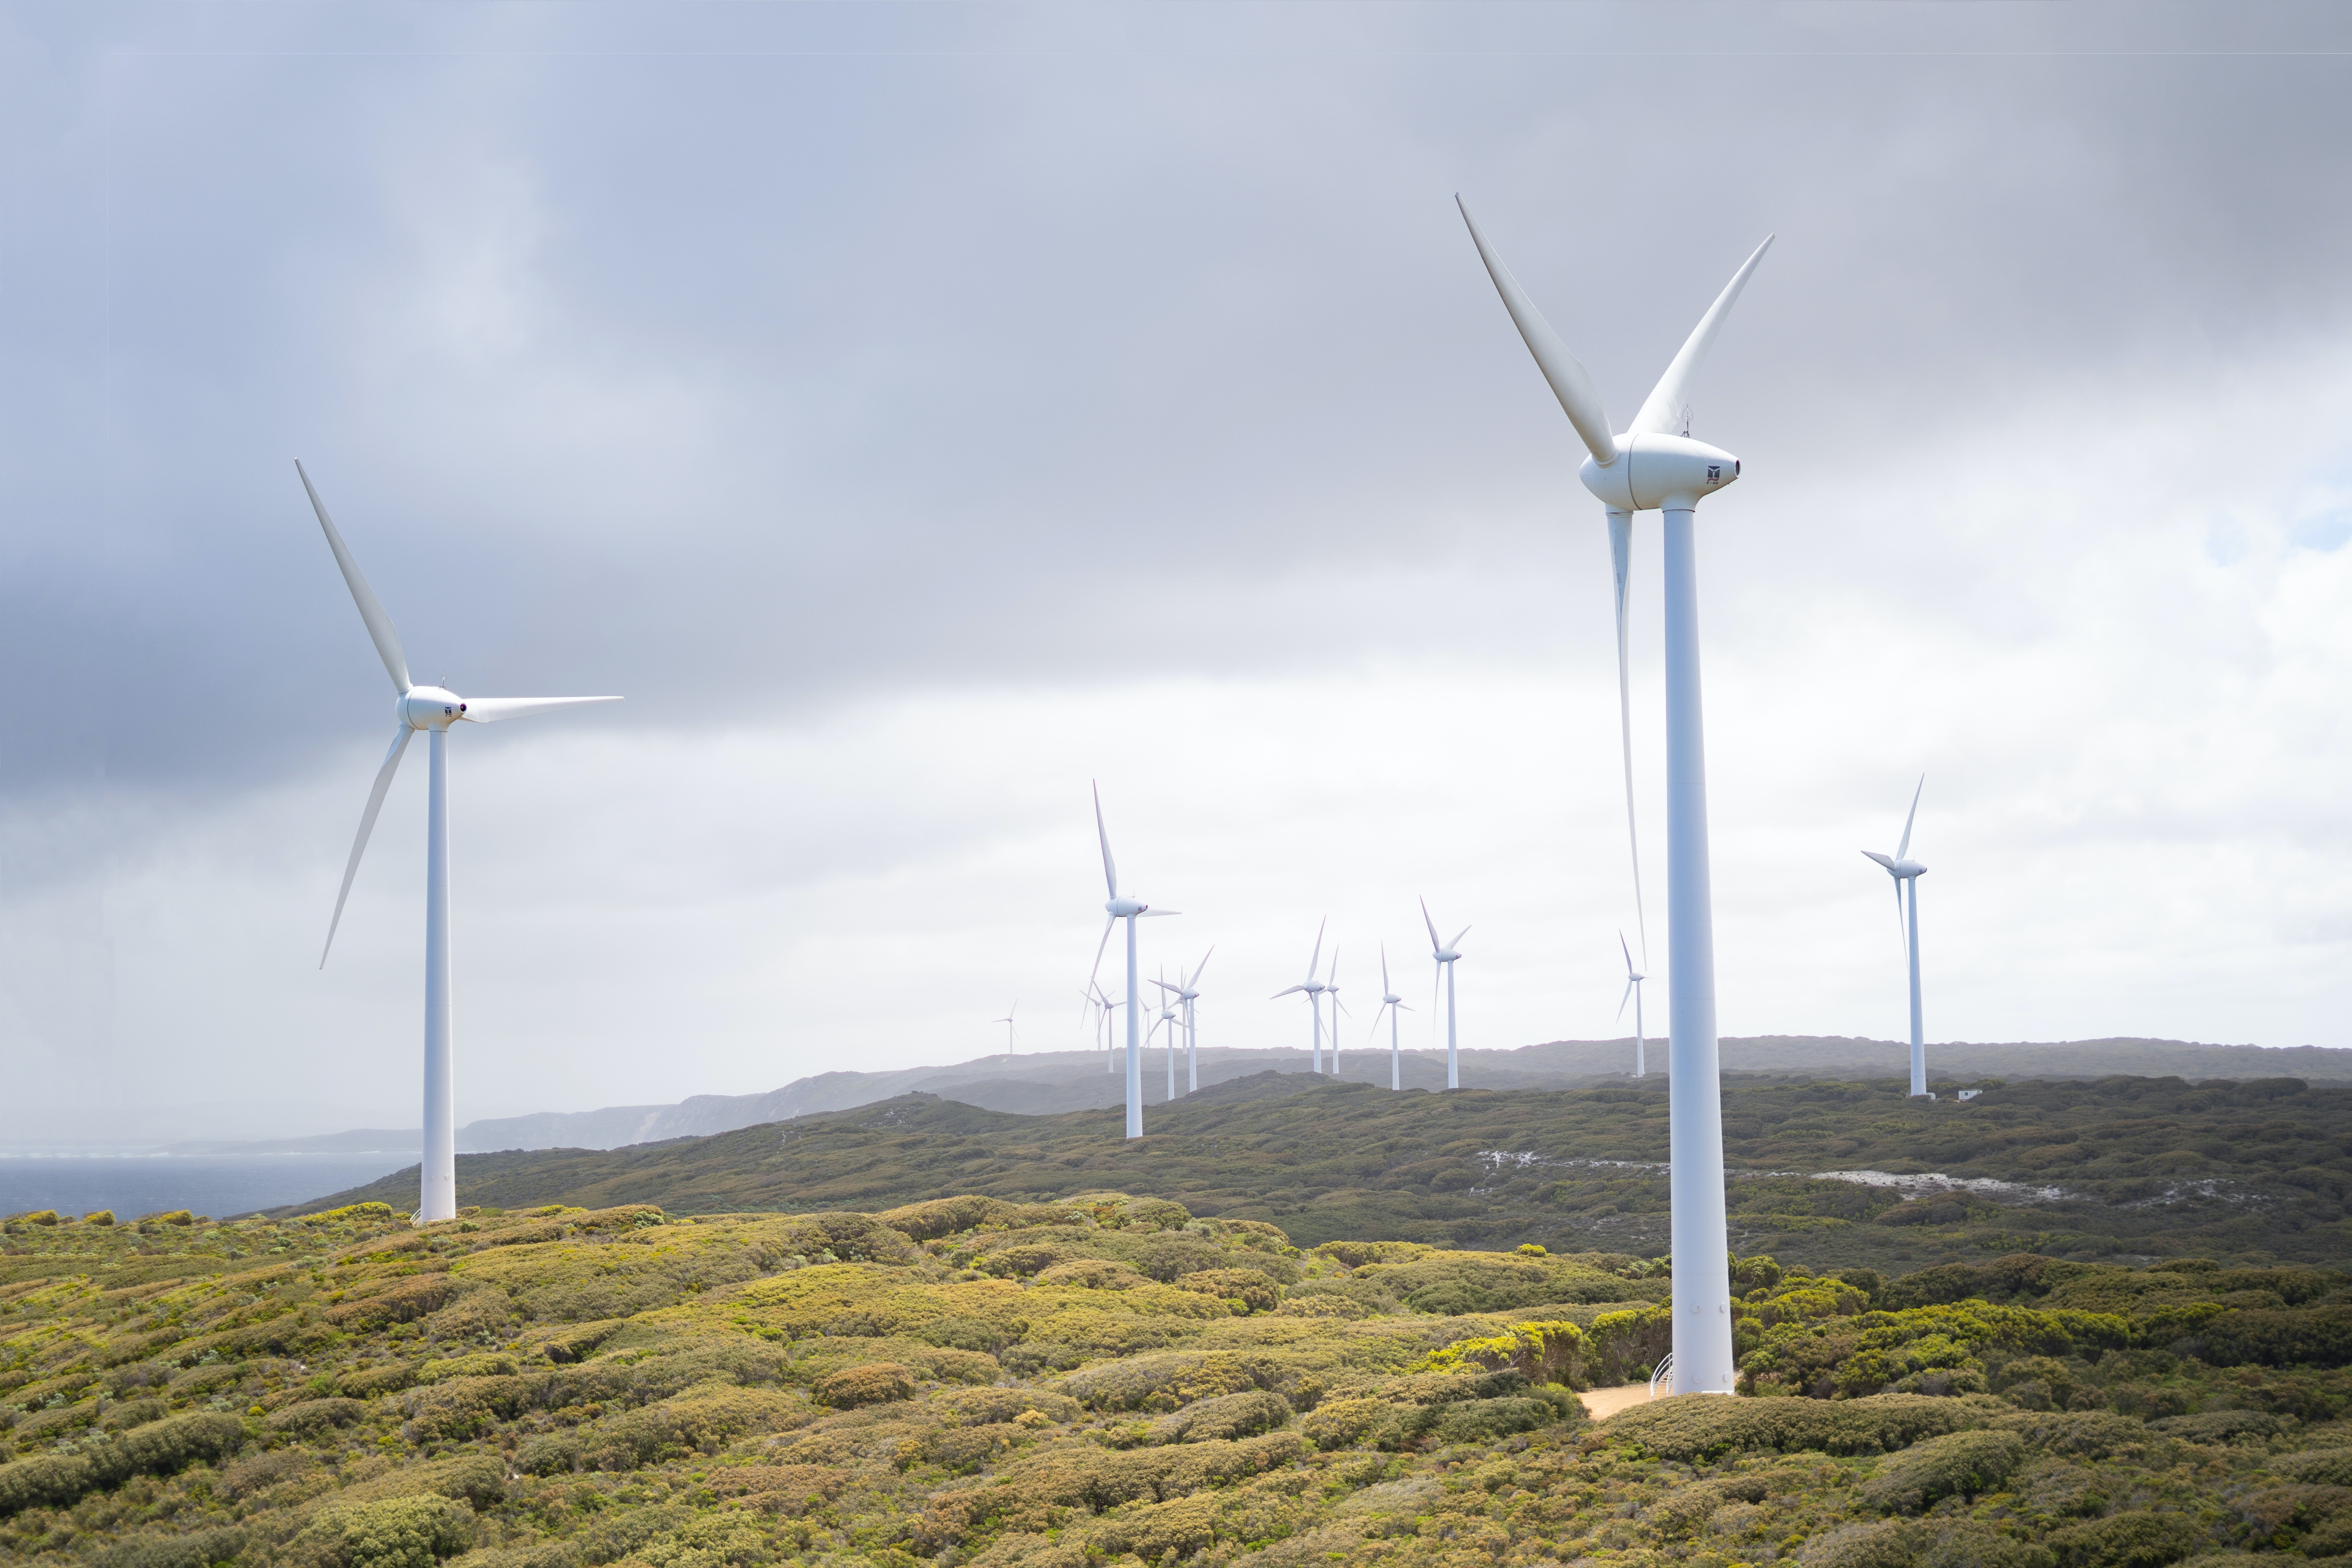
[1656,464]
[1331,989]
[1445,955]
[1171,1013]
[1313,986]
[1902,868]
[1007,1022]
[1633,978]
[1099,1007]
[1124,909]
[433,711]
[1391,1003]
[1187,992]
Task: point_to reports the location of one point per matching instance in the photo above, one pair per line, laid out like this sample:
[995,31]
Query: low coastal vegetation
[2119,1168]
[1104,1378]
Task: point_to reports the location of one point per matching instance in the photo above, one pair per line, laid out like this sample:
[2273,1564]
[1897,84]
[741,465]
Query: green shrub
[160,1448]
[134,1413]
[1226,1416]
[476,1478]
[315,1417]
[2319,1467]
[2315,1336]
[1165,1381]
[2138,1539]
[1253,1288]
[1889,1544]
[877,1383]
[1960,1464]
[1485,1420]
[99,1216]
[1694,1427]
[488,1364]
[168,1217]
[2092,1434]
[366,1383]
[549,1454]
[397,1532]
[699,1421]
[984,1406]
[461,1407]
[2220,1426]
[201,1549]
[1348,1423]
[402,1303]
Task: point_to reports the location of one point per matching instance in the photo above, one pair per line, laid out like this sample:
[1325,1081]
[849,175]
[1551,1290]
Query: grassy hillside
[1111,1379]
[2151,1168]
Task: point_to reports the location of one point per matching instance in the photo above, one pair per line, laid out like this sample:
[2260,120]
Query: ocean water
[213,1185]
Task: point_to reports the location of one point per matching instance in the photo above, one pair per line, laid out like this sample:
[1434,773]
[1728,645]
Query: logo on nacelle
[1714,473]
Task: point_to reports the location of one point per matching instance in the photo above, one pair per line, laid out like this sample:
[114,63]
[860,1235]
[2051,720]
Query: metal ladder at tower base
[1663,1376]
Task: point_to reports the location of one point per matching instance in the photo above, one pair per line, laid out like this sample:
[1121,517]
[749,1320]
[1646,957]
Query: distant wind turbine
[1445,953]
[1902,868]
[1633,978]
[1007,1022]
[1313,986]
[1655,466]
[433,711]
[1099,1007]
[1124,909]
[1391,1003]
[1331,989]
[1187,992]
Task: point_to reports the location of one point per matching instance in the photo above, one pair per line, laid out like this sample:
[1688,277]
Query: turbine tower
[1633,978]
[1390,1002]
[1331,989]
[1902,868]
[1128,909]
[1099,1007]
[1007,1022]
[1655,466]
[1187,991]
[1445,953]
[1314,988]
[433,711]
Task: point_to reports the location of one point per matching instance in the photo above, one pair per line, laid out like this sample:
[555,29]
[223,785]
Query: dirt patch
[1600,1403]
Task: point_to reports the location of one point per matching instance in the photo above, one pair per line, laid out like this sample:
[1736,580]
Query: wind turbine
[1169,1015]
[1391,1003]
[1445,953]
[1100,1007]
[1654,464]
[1314,989]
[1633,978]
[1188,991]
[1124,909]
[1902,868]
[433,711]
[1007,1022]
[1331,989]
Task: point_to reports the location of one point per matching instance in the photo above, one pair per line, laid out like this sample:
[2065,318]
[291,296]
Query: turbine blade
[1901,932]
[379,625]
[1458,935]
[367,825]
[1317,956]
[1194,979]
[1621,555]
[1093,976]
[1435,945]
[1110,871]
[1886,860]
[1286,991]
[1661,414]
[1570,383]
[1331,981]
[1629,959]
[1903,848]
[1159,914]
[491,710]
[1165,986]
[1625,998]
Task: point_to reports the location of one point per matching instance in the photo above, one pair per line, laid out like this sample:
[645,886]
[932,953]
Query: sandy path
[1600,1403]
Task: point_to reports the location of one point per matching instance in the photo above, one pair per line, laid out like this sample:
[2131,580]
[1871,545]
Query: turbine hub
[1908,868]
[1124,908]
[1654,471]
[428,708]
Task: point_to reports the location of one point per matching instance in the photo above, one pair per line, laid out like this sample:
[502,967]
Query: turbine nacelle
[427,707]
[1898,870]
[1654,471]
[1124,909]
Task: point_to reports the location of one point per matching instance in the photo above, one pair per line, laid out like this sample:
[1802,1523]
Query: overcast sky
[917,411]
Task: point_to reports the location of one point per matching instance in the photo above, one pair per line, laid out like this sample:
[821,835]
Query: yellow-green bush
[874,1382]
[398,1533]
[1960,1464]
